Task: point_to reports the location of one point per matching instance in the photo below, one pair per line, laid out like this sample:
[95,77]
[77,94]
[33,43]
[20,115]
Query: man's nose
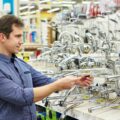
[21,40]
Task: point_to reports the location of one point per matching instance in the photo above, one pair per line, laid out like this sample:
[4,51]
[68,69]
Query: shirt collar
[6,58]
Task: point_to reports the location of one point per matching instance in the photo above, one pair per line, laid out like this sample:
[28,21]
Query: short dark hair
[6,23]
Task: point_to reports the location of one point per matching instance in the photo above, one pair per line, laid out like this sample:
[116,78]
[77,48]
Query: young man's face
[13,43]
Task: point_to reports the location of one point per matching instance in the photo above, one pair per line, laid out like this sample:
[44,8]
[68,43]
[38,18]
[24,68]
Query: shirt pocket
[27,79]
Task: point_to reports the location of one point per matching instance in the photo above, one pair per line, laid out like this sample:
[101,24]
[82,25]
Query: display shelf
[32,46]
[80,112]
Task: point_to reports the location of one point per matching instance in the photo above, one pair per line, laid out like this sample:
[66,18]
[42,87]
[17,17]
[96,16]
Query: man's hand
[85,81]
[69,81]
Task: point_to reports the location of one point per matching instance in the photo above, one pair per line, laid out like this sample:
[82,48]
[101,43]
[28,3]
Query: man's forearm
[44,91]
[61,84]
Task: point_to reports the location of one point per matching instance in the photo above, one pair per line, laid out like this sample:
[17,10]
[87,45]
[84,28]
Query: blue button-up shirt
[16,89]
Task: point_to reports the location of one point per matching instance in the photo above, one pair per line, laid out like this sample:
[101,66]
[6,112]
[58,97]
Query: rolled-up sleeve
[13,93]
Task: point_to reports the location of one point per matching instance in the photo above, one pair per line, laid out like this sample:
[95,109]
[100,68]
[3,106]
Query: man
[20,84]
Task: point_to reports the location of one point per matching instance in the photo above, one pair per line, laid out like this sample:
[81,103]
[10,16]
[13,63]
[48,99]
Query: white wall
[1,6]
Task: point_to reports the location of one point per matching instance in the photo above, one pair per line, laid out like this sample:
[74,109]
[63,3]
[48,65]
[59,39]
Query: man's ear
[2,37]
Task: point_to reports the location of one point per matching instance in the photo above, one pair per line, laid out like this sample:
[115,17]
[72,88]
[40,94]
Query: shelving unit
[31,46]
[31,17]
[36,16]
[32,34]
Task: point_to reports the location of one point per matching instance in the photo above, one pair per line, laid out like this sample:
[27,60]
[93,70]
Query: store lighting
[24,13]
[34,12]
[63,5]
[64,2]
[26,7]
[29,12]
[53,10]
[44,1]
[68,2]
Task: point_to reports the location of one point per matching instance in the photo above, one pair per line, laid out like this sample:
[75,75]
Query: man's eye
[18,36]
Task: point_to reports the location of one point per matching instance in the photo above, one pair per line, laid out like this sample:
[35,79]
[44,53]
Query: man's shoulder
[4,66]
[22,63]
[20,60]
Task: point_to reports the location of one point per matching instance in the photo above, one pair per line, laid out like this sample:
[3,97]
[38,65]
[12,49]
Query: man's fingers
[87,78]
[88,82]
